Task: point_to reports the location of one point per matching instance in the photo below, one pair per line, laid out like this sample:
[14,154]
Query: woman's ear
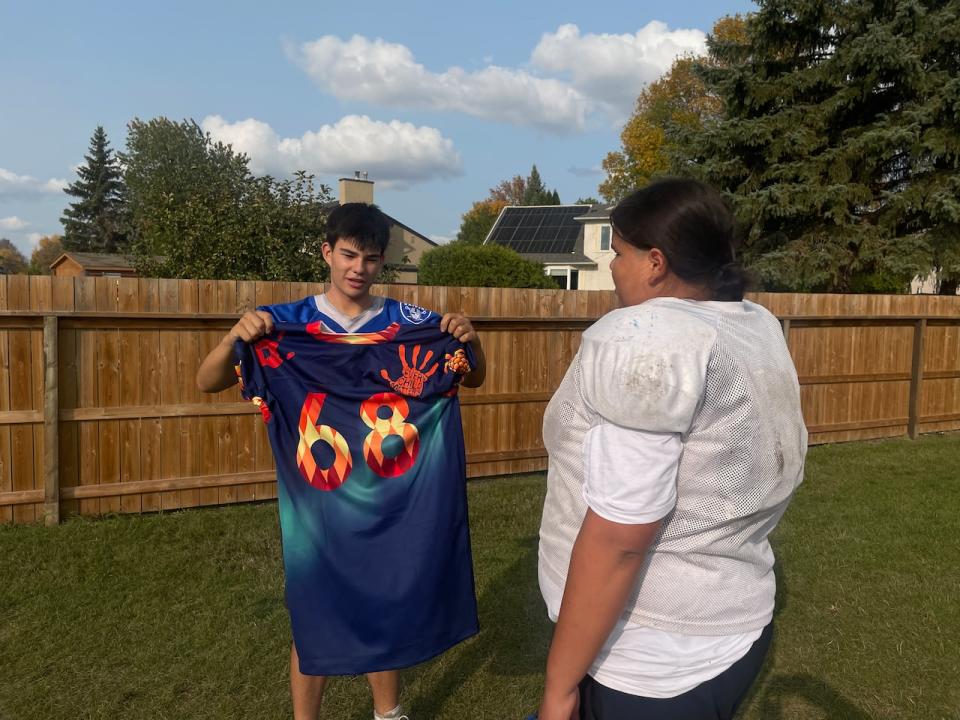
[658,264]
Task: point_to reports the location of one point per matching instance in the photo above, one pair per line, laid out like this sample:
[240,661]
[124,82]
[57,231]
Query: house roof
[539,229]
[598,212]
[573,258]
[96,261]
[329,206]
[411,230]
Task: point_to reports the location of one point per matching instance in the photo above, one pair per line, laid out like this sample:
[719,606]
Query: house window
[559,277]
[605,237]
[565,278]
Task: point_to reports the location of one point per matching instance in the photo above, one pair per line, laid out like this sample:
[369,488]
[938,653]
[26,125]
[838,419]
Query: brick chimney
[356,189]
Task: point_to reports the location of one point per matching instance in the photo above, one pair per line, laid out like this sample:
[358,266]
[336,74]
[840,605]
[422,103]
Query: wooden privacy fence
[99,411]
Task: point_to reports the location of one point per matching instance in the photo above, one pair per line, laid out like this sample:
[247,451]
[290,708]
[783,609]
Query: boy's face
[352,270]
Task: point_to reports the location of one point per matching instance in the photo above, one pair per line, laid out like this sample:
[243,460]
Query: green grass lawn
[180,615]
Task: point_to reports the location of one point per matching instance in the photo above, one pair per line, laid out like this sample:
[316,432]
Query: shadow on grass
[780,689]
[771,691]
[513,640]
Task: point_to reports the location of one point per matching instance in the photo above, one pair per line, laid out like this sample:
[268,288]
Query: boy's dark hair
[365,224]
[689,222]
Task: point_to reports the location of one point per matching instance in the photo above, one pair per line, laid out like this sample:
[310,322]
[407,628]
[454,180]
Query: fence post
[916,377]
[785,324]
[51,423]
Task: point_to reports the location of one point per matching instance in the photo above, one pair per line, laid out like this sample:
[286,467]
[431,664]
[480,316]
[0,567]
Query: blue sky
[438,102]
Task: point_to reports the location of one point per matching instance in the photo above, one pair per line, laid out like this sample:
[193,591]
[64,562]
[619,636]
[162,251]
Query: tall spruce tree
[536,193]
[95,222]
[839,142]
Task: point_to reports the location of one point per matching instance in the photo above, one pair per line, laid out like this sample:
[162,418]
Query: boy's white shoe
[395,714]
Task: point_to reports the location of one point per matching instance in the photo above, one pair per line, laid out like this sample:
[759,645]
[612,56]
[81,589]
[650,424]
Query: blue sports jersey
[306,311]
[365,429]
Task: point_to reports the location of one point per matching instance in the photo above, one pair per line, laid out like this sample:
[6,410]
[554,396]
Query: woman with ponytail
[675,443]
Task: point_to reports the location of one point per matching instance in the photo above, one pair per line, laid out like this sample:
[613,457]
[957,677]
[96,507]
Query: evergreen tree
[95,222]
[535,190]
[536,193]
[840,141]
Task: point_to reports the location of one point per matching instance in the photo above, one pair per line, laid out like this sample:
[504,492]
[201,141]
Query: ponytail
[729,282]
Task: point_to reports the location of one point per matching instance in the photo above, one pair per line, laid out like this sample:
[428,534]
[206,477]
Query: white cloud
[13,223]
[613,69]
[393,153]
[442,239]
[384,73]
[585,171]
[12,184]
[34,239]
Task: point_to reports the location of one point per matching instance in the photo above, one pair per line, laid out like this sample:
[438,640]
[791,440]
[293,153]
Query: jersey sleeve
[644,368]
[630,476]
[250,375]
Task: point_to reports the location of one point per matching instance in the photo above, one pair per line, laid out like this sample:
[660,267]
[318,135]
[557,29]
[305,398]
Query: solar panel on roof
[549,229]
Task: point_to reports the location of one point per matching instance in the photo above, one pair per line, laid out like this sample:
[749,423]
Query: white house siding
[599,279]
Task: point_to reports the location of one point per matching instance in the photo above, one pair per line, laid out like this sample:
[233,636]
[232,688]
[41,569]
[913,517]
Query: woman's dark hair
[690,223]
[365,224]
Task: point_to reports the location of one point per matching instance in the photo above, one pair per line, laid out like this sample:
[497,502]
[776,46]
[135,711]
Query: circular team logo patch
[414,313]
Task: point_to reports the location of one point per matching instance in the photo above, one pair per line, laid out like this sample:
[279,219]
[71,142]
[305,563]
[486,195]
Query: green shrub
[459,264]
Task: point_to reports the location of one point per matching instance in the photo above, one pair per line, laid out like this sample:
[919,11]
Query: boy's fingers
[245,332]
[445,322]
[458,325]
[267,319]
[250,328]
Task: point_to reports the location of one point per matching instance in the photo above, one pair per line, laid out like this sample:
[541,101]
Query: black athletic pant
[716,699]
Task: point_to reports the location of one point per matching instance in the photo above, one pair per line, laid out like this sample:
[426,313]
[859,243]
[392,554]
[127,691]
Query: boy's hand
[458,325]
[252,326]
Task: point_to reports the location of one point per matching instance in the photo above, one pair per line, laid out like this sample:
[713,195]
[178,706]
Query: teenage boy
[356,242]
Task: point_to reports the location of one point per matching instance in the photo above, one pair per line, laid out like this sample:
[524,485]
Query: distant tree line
[183,206]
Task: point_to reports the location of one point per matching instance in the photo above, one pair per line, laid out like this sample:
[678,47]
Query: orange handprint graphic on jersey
[412,378]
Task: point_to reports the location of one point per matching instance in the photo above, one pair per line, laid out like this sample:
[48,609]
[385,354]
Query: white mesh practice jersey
[720,375]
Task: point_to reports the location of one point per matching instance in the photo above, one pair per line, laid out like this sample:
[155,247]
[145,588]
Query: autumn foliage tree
[677,101]
[478,220]
[12,260]
[48,249]
[511,191]
[518,190]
